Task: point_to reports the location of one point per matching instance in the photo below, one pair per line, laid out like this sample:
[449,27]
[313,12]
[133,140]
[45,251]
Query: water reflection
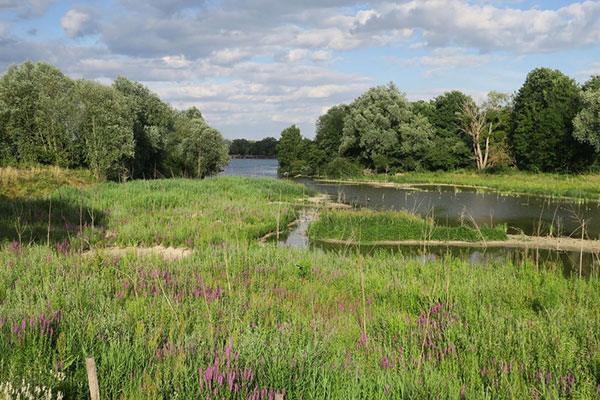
[454,206]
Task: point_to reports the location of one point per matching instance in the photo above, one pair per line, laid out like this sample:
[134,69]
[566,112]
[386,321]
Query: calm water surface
[252,168]
[448,205]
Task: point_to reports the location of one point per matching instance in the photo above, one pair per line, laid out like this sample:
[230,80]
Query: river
[455,205]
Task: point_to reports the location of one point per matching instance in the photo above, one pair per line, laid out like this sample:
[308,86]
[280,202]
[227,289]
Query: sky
[254,67]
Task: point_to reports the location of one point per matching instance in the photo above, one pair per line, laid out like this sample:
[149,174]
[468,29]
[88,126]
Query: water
[454,206]
[266,168]
[449,205]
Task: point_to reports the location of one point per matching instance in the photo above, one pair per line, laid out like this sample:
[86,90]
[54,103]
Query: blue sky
[254,67]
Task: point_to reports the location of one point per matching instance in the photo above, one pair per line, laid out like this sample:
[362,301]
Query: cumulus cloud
[77,23]
[246,62]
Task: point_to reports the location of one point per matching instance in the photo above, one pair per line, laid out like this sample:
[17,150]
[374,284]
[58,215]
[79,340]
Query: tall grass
[240,320]
[369,226]
[164,329]
[39,182]
[175,212]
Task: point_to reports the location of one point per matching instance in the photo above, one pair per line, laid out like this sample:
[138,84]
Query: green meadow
[242,320]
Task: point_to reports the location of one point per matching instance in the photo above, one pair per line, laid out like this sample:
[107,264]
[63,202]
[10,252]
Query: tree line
[551,124]
[118,131]
[266,147]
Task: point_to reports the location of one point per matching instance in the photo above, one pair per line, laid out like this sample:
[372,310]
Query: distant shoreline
[237,156]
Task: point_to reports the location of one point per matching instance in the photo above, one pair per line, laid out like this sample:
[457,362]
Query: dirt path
[517,241]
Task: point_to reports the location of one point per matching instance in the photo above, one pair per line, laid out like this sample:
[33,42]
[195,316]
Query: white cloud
[77,23]
[176,61]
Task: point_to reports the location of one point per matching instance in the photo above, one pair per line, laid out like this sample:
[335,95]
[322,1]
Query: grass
[174,212]
[293,322]
[39,182]
[248,321]
[585,186]
[368,226]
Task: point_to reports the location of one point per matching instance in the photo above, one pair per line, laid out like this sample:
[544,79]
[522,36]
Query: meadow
[237,319]
[366,226]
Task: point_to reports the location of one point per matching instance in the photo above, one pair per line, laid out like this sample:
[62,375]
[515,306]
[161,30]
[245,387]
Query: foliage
[289,150]
[106,125]
[266,147]
[380,128]
[196,149]
[341,167]
[117,131]
[36,115]
[541,126]
[329,130]
[587,122]
[367,226]
[152,121]
[450,147]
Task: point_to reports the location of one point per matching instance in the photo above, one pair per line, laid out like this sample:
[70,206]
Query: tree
[587,122]
[289,149]
[105,129]
[592,84]
[450,148]
[266,147]
[541,132]
[37,105]
[195,149]
[330,129]
[152,120]
[240,147]
[476,126]
[381,124]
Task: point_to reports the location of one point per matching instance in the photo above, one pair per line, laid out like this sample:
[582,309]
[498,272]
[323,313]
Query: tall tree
[587,122]
[381,130]
[196,149]
[330,129]
[289,149]
[152,120]
[450,148]
[106,129]
[541,124]
[37,106]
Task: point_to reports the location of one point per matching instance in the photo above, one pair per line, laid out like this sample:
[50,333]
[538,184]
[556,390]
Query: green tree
[105,129]
[330,129]
[450,147]
[381,124]
[265,147]
[240,147]
[542,123]
[36,114]
[152,121]
[587,122]
[592,84]
[289,150]
[195,149]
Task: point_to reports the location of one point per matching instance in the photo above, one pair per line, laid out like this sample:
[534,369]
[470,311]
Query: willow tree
[105,129]
[382,131]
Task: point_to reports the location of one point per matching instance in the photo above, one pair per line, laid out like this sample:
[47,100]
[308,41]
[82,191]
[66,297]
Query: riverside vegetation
[237,319]
[368,226]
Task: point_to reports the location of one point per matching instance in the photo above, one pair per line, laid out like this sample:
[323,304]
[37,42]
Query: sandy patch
[516,241]
[166,253]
